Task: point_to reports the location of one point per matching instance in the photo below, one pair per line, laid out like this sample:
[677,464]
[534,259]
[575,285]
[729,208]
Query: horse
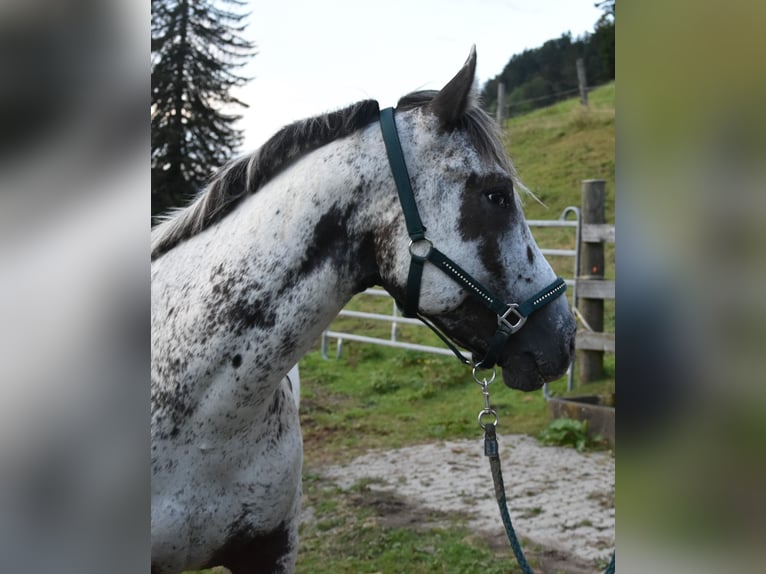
[246,278]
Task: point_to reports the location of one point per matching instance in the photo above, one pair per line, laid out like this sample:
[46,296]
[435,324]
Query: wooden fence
[591,288]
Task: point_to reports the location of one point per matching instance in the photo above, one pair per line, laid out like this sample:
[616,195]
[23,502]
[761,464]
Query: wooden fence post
[582,82]
[591,363]
[500,104]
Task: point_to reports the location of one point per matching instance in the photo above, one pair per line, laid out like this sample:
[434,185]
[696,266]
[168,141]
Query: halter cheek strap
[511,316]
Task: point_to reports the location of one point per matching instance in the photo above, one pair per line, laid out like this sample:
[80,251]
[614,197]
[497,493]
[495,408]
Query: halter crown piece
[510,316]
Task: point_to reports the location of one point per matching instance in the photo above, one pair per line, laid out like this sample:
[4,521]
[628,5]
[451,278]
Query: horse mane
[247,174]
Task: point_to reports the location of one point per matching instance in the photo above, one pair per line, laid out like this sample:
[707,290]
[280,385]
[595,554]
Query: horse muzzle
[541,352]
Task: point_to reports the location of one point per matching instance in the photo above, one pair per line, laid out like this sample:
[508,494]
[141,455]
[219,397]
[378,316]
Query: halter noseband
[510,316]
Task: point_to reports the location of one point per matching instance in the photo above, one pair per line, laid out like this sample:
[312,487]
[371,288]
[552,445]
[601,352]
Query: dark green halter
[510,316]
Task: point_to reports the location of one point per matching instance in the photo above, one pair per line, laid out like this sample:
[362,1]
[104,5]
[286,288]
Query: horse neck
[262,283]
[315,227]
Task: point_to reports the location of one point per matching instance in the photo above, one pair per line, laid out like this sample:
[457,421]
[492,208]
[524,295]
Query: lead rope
[488,422]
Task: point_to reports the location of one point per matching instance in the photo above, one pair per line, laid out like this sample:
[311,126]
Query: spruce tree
[197,49]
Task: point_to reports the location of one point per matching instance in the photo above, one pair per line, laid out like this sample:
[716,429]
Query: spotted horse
[247,276]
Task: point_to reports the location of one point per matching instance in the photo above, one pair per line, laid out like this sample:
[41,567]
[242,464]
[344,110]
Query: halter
[510,316]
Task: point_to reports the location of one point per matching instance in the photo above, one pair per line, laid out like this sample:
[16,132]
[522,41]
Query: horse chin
[523,373]
[522,380]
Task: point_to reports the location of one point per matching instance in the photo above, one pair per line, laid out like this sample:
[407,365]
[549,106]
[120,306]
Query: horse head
[465,189]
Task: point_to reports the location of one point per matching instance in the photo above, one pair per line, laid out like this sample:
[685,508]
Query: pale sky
[319,55]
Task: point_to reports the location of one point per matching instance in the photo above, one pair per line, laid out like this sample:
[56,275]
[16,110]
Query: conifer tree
[197,50]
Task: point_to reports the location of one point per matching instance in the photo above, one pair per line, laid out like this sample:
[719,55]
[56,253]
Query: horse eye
[499,198]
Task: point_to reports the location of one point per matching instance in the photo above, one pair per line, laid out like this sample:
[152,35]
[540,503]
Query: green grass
[557,147]
[358,531]
[375,397]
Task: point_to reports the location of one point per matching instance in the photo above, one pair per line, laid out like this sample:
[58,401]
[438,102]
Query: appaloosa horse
[245,279]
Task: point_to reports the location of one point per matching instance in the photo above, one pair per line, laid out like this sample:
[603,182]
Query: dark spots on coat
[328,242]
[367,268]
[242,315]
[276,428]
[287,347]
[177,409]
[385,257]
[234,306]
[276,404]
[479,217]
[236,361]
[491,258]
[251,552]
[223,289]
[530,255]
[171,407]
[217,271]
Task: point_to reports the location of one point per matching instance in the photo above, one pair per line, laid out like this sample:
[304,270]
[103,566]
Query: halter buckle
[503,321]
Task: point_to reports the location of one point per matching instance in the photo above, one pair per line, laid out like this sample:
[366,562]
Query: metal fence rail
[394,318]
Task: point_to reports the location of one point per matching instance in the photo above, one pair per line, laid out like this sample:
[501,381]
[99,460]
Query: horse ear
[451,102]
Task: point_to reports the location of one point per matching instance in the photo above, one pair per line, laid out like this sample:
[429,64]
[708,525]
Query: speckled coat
[241,290]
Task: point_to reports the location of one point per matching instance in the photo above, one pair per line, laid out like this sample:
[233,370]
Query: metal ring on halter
[483,424]
[419,241]
[483,381]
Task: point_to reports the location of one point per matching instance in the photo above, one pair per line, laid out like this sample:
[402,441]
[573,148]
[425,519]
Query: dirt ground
[561,501]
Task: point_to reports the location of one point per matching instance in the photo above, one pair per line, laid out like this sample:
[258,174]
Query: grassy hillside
[557,147]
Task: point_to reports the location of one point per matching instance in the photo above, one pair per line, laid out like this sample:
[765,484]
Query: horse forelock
[247,174]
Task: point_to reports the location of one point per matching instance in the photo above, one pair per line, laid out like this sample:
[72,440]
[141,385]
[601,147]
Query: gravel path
[558,498]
